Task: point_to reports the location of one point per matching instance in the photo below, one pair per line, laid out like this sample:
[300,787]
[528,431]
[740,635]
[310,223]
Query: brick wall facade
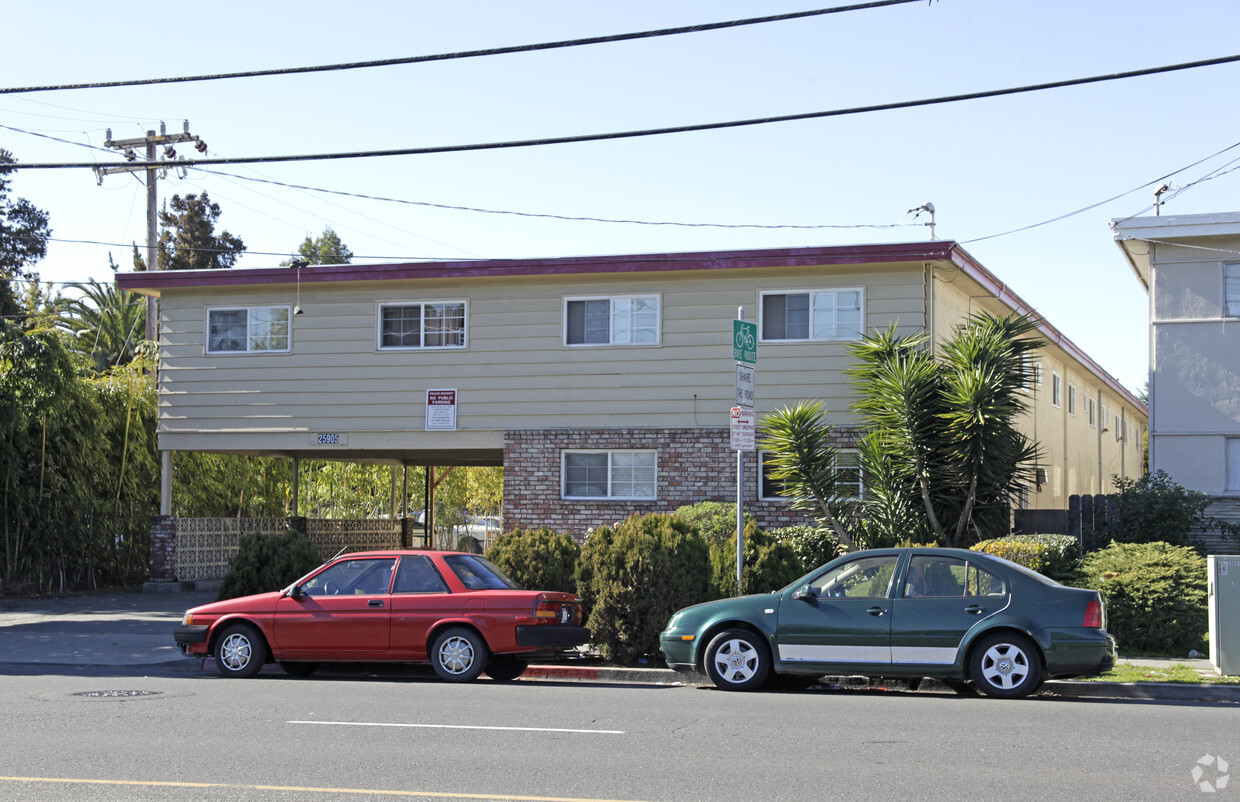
[693,465]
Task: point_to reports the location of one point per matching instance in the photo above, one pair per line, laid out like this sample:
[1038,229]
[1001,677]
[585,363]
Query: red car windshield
[477,573]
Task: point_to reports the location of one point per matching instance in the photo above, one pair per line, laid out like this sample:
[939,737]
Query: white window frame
[611,300]
[852,452]
[812,324]
[249,323]
[1056,390]
[1091,409]
[422,333]
[611,469]
[1231,289]
[1072,399]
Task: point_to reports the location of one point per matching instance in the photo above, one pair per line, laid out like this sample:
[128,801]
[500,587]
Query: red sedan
[457,612]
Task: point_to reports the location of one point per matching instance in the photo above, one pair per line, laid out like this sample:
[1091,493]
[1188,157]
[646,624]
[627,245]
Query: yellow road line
[306,789]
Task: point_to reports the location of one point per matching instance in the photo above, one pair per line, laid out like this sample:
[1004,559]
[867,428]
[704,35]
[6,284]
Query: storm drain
[117,694]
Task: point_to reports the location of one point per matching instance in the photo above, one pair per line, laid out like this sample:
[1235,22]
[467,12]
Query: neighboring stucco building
[1190,265]
[601,384]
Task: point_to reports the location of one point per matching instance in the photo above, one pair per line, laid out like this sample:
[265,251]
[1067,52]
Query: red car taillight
[1093,614]
[547,611]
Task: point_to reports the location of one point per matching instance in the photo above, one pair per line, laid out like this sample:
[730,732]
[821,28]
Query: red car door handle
[974,609]
[375,603]
[876,611]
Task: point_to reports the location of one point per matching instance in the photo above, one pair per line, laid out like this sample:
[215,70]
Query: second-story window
[256,329]
[619,320]
[429,324]
[1231,290]
[812,315]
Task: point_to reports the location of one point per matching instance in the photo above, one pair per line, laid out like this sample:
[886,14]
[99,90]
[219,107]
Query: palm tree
[805,463]
[944,429]
[107,323]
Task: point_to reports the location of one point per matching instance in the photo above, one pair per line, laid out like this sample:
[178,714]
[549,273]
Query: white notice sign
[441,410]
[746,376]
[744,424]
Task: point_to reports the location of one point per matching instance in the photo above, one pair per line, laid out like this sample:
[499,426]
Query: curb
[1073,689]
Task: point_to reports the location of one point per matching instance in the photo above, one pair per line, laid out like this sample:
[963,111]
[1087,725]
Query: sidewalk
[131,628]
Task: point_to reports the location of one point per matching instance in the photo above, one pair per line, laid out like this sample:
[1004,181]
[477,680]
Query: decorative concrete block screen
[205,546]
[361,534]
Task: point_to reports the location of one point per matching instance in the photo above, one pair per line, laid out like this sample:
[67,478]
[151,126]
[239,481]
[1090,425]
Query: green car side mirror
[804,594]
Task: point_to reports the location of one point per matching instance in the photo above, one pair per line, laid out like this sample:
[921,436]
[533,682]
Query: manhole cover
[117,694]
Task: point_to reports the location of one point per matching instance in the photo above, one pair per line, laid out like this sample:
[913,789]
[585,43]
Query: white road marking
[456,727]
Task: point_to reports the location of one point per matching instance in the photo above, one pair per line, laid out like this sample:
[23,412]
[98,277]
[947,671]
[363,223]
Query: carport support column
[165,483]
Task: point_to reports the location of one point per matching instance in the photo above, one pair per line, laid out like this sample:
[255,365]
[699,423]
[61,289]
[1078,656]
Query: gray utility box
[1224,602]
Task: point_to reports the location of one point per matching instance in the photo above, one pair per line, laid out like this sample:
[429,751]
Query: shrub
[1155,593]
[715,521]
[1156,509]
[539,559]
[769,564]
[1056,556]
[633,576]
[812,546]
[268,562]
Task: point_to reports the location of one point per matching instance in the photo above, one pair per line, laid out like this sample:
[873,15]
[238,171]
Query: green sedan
[910,613]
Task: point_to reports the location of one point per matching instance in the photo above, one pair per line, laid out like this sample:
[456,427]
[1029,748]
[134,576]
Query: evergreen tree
[187,238]
[24,232]
[325,249]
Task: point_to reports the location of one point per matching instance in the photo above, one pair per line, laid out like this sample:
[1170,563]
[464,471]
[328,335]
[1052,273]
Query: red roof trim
[151,282]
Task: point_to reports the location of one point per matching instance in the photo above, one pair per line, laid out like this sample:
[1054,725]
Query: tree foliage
[633,576]
[942,431]
[1156,508]
[769,564]
[187,238]
[77,463]
[265,563]
[812,546]
[714,520]
[537,559]
[106,322]
[24,232]
[325,249]
[805,463]
[1155,595]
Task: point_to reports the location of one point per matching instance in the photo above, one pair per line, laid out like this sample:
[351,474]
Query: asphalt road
[167,732]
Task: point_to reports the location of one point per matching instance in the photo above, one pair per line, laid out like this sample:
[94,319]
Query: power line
[495,51]
[1108,200]
[541,215]
[679,129]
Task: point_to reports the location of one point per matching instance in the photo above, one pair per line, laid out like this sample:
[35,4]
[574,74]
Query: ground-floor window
[617,474]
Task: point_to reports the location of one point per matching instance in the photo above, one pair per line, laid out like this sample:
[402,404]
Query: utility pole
[154,169]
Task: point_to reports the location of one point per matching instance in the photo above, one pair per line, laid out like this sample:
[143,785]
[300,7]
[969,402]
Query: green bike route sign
[745,342]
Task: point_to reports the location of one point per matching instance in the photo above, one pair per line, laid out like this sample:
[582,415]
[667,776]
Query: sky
[989,166]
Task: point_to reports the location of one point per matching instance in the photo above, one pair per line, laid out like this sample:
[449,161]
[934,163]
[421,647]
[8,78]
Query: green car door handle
[876,611]
[974,609]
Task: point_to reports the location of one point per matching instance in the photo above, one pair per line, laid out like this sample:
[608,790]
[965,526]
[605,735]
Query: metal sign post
[745,354]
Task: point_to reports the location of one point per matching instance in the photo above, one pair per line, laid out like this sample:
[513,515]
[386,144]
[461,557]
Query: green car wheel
[737,660]
[1006,665]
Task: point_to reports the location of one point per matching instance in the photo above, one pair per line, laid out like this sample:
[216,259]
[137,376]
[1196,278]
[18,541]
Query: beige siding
[1078,458]
[516,373]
